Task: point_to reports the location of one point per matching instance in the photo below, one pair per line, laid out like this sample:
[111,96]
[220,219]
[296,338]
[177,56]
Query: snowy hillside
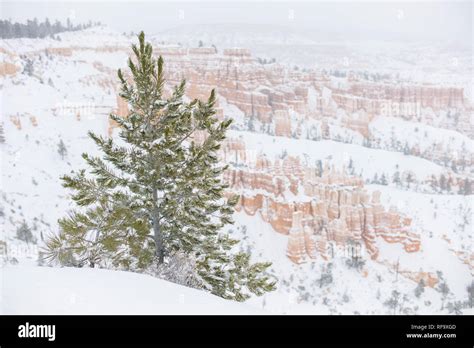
[311,141]
[50,291]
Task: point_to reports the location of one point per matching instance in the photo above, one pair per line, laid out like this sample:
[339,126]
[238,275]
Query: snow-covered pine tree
[470,294]
[393,301]
[29,67]
[2,134]
[159,191]
[62,150]
[420,288]
[23,232]
[396,178]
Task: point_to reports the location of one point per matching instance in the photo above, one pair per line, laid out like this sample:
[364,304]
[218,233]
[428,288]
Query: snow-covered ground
[351,291]
[47,290]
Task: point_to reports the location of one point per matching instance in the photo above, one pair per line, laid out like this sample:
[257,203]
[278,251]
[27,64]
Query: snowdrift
[46,290]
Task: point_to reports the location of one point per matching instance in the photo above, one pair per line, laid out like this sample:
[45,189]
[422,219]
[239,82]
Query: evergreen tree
[443,288]
[350,167]
[250,124]
[159,190]
[62,151]
[34,29]
[455,307]
[393,301]
[434,183]
[24,233]
[406,149]
[409,179]
[449,184]
[420,288]
[375,180]
[29,67]
[454,167]
[396,178]
[326,275]
[2,134]
[442,183]
[319,168]
[470,294]
[465,187]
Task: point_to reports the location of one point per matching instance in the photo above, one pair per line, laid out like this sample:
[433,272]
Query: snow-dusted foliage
[158,194]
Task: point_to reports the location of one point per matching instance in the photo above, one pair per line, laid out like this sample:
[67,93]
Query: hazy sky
[431,20]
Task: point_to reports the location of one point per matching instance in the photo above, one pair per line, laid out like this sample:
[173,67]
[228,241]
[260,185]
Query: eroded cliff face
[311,104]
[318,211]
[271,93]
[268,92]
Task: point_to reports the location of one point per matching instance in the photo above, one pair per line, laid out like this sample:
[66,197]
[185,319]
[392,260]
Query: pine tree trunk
[158,236]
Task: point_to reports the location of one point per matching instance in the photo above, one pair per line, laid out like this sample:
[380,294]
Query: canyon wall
[318,211]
